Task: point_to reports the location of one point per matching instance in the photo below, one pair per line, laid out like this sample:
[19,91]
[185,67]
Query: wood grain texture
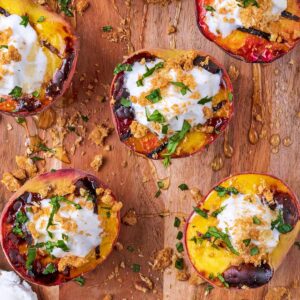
[135,184]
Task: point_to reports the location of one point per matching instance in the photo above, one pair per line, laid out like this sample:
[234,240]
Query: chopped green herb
[25,21]
[223,191]
[177,222]
[44,148]
[108,214]
[130,248]
[65,237]
[64,6]
[3,46]
[164,129]
[154,96]
[247,242]
[209,8]
[31,255]
[254,251]
[208,289]
[149,72]
[183,88]
[29,209]
[179,247]
[221,278]
[179,235]
[50,269]
[246,3]
[41,19]
[17,230]
[256,220]
[218,211]
[16,92]
[21,218]
[107,28]
[160,184]
[2,99]
[174,141]
[230,97]
[80,280]
[280,225]
[84,118]
[200,212]
[179,263]
[157,194]
[183,187]
[20,120]
[156,116]
[36,94]
[125,102]
[211,276]
[205,100]
[53,170]
[136,268]
[71,128]
[122,67]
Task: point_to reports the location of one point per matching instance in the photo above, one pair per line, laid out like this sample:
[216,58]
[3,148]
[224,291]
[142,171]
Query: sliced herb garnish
[223,191]
[221,278]
[179,247]
[25,21]
[280,225]
[154,96]
[246,3]
[174,141]
[230,97]
[218,211]
[179,235]
[44,148]
[80,280]
[122,67]
[107,28]
[208,289]
[157,194]
[254,251]
[218,234]
[136,268]
[84,118]
[36,94]
[179,263]
[65,237]
[16,92]
[177,222]
[125,102]
[41,19]
[64,6]
[50,269]
[209,8]
[31,255]
[149,72]
[21,219]
[183,187]
[20,120]
[183,88]
[164,129]
[205,100]
[256,220]
[156,116]
[3,46]
[247,242]
[200,212]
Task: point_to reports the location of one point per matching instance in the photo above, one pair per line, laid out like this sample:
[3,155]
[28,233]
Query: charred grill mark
[157,150]
[97,252]
[210,67]
[256,32]
[219,106]
[287,15]
[60,77]
[51,48]
[4,12]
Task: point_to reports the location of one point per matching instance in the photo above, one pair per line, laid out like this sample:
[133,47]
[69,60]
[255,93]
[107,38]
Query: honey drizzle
[227,148]
[257,112]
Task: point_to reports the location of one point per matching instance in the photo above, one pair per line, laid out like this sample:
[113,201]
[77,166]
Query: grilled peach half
[58,226]
[159,142]
[240,233]
[39,52]
[252,44]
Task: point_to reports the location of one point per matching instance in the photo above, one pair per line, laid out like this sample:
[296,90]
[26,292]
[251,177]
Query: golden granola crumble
[97,162]
[99,134]
[163,259]
[10,182]
[130,218]
[138,130]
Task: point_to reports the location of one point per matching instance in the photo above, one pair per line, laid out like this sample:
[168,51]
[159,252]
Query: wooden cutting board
[275,92]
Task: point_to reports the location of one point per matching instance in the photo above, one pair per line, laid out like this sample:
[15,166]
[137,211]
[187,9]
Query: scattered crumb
[130,218]
[183,275]
[171,29]
[144,285]
[119,246]
[10,182]
[195,279]
[9,126]
[107,297]
[99,134]
[163,259]
[97,162]
[233,72]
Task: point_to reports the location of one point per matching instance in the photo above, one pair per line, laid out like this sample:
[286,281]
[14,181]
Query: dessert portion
[38,54]
[14,288]
[59,225]
[255,30]
[170,103]
[240,233]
